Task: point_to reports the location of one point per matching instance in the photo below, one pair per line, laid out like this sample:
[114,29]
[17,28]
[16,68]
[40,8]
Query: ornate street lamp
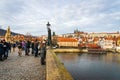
[49,34]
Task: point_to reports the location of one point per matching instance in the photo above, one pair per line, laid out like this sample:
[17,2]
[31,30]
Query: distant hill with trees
[2,32]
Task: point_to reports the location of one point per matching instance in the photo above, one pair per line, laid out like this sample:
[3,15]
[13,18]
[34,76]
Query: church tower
[8,35]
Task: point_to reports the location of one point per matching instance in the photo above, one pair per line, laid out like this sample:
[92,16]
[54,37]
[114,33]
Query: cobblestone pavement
[22,68]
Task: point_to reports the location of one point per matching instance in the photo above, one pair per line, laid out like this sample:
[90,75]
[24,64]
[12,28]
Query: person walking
[9,47]
[20,48]
[36,44]
[27,48]
[13,46]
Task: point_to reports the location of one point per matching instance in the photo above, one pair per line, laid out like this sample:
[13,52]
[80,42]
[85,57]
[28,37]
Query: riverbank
[69,50]
[76,50]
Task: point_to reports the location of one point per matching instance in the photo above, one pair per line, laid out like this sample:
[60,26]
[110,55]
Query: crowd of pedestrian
[35,48]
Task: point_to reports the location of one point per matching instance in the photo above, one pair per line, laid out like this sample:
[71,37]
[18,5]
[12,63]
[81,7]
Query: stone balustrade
[55,70]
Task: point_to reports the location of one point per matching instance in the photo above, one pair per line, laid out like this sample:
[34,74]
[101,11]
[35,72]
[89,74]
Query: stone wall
[55,70]
[70,50]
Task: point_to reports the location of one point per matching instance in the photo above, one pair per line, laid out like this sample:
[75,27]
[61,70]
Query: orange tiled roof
[118,38]
[89,45]
[110,38]
[96,39]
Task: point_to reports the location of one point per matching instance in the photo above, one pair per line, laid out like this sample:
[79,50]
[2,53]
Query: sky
[65,16]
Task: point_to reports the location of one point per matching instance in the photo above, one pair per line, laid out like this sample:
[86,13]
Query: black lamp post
[49,34]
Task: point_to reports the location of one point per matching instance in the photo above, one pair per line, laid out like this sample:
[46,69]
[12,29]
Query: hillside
[2,32]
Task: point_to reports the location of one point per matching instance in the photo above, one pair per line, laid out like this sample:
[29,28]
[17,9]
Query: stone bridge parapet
[55,70]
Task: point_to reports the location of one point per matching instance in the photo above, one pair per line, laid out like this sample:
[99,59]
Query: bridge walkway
[22,68]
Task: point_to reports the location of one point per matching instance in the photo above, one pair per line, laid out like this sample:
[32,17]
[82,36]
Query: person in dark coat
[5,48]
[36,44]
[43,52]
[9,47]
[13,46]
[28,43]
[1,51]
[20,48]
[32,46]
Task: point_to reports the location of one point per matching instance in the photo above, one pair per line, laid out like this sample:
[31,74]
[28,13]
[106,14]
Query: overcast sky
[64,16]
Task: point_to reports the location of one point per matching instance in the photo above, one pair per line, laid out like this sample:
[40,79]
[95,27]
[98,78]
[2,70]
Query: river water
[83,66]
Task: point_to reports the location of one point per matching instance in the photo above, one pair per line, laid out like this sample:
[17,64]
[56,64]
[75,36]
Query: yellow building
[67,42]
